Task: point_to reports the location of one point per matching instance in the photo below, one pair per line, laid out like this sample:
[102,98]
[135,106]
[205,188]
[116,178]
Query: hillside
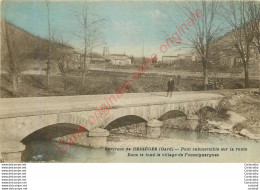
[26,49]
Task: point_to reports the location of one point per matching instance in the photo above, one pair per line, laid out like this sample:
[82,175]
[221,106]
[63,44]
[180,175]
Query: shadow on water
[46,151]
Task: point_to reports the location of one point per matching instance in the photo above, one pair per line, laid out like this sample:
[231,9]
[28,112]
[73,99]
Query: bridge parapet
[16,124]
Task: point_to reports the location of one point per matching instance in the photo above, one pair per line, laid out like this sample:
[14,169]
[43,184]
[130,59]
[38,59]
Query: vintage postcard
[130,81]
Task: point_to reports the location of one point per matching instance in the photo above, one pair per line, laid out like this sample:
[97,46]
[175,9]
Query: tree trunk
[205,74]
[258,58]
[84,77]
[84,65]
[64,77]
[246,76]
[48,80]
[15,84]
[259,72]
[84,73]
[18,80]
[205,78]
[48,76]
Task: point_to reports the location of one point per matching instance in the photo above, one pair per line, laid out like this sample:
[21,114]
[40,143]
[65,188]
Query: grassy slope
[249,107]
[98,82]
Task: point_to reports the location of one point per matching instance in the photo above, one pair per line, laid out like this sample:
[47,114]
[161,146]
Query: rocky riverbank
[237,115]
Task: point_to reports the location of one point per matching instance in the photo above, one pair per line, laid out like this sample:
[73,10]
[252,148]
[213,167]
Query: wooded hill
[22,47]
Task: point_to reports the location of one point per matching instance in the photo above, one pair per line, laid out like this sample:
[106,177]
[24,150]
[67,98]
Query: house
[195,56]
[181,56]
[188,58]
[76,56]
[119,59]
[169,59]
[223,52]
[91,58]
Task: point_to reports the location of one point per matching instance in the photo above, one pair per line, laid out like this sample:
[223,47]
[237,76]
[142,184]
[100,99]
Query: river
[244,150]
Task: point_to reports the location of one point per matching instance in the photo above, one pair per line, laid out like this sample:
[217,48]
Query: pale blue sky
[127,23]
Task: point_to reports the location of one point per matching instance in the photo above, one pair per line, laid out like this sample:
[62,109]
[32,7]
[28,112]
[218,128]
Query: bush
[223,107]
[203,126]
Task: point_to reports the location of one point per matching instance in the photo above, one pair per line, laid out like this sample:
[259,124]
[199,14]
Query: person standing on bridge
[170,87]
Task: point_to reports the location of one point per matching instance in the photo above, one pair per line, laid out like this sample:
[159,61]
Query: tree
[62,53]
[254,14]
[237,14]
[9,55]
[204,30]
[49,46]
[90,28]
[254,11]
[14,48]
[62,56]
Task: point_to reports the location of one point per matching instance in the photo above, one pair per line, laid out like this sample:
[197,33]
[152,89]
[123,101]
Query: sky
[128,25]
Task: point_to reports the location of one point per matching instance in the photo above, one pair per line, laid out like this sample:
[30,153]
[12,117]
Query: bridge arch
[183,109]
[205,110]
[125,120]
[172,114]
[24,126]
[122,112]
[53,131]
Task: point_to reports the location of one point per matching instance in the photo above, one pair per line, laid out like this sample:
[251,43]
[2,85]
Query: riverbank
[104,82]
[239,116]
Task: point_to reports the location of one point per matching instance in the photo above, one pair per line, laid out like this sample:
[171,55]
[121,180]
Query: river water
[244,150]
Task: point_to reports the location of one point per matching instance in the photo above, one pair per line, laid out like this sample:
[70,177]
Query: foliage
[222,109]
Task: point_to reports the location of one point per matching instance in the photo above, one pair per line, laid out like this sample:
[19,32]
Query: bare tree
[90,27]
[204,30]
[13,48]
[254,14]
[48,64]
[9,56]
[254,11]
[63,56]
[61,53]
[237,14]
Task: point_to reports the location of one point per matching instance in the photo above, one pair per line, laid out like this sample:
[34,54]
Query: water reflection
[46,151]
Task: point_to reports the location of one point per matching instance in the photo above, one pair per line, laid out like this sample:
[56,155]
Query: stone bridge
[20,117]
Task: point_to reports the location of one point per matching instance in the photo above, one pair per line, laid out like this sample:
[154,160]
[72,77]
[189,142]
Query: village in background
[217,58]
[67,66]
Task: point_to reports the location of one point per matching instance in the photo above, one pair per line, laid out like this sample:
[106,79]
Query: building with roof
[223,52]
[169,59]
[180,58]
[119,59]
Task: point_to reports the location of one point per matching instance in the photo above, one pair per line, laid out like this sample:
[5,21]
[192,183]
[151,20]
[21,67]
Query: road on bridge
[18,107]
